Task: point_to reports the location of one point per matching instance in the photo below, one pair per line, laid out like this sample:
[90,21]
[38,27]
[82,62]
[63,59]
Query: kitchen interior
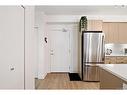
[74,47]
[101,51]
[67,49]
[63,47]
[102,48]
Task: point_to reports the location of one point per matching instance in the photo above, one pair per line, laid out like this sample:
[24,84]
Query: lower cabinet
[115,60]
[110,81]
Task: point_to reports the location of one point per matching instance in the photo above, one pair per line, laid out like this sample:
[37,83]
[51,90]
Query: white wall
[40,21]
[29,48]
[17,47]
[11,47]
[36,51]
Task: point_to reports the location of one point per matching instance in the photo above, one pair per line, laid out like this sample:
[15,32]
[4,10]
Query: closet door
[11,47]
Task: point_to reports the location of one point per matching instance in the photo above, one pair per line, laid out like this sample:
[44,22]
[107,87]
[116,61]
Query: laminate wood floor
[61,81]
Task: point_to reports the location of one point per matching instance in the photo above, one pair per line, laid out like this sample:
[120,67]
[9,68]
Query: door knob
[51,54]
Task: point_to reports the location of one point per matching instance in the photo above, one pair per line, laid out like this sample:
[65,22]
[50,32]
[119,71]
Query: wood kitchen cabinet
[115,32]
[111,32]
[116,60]
[106,32]
[110,81]
[94,25]
[122,28]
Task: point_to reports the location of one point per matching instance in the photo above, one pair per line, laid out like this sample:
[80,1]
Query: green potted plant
[83,24]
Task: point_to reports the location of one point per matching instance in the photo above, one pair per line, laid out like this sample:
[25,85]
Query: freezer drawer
[90,73]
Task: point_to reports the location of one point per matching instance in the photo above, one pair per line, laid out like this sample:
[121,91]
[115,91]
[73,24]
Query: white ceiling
[81,10]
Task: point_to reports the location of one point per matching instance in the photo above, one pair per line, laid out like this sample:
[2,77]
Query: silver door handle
[51,54]
[103,48]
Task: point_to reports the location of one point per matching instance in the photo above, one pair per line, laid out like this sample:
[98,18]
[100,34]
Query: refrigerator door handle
[103,48]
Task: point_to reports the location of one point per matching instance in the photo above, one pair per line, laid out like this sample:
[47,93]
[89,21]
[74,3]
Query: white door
[59,51]
[11,47]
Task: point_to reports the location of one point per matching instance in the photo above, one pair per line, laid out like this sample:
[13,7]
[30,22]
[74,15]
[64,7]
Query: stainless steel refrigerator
[92,54]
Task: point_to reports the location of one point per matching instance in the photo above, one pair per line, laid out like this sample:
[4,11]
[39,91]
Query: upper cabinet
[106,31]
[94,25]
[111,32]
[122,28]
[115,32]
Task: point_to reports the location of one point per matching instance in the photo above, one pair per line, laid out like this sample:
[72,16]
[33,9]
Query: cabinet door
[94,25]
[123,33]
[109,81]
[111,32]
[11,47]
[106,31]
